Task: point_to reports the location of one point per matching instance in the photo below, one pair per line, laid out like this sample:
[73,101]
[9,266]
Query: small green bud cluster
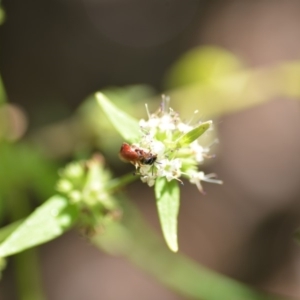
[84,183]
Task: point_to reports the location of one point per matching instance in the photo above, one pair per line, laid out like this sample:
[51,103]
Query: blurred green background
[236,61]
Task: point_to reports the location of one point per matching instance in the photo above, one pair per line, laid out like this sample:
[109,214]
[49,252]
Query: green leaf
[47,222]
[193,134]
[202,65]
[127,126]
[167,200]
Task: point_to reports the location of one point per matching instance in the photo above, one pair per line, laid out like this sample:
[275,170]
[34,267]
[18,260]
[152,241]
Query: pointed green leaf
[127,126]
[193,134]
[47,222]
[167,200]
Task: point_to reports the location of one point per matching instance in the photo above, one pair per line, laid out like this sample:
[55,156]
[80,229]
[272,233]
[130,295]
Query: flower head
[168,148]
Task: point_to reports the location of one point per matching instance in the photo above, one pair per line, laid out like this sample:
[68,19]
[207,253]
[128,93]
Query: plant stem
[3,95]
[26,264]
[27,275]
[120,182]
[137,242]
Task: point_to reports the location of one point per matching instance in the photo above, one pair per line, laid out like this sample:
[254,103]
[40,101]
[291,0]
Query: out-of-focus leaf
[47,222]
[2,16]
[289,77]
[202,65]
[134,239]
[127,126]
[23,166]
[167,200]
[233,89]
[193,134]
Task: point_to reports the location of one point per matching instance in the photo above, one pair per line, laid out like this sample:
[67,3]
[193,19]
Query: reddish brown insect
[136,156]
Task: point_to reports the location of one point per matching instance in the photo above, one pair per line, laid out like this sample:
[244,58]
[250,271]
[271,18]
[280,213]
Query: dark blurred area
[55,53]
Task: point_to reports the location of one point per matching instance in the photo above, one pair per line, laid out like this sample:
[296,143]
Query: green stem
[26,263]
[27,275]
[137,242]
[3,95]
[120,182]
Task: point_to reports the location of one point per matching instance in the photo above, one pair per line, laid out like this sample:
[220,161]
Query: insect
[136,156]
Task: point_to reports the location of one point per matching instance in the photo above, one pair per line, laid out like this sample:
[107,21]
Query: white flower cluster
[160,133]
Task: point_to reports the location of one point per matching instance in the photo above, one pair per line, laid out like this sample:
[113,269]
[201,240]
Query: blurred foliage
[205,65]
[26,168]
[2,14]
[218,84]
[133,239]
[209,79]
[88,129]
